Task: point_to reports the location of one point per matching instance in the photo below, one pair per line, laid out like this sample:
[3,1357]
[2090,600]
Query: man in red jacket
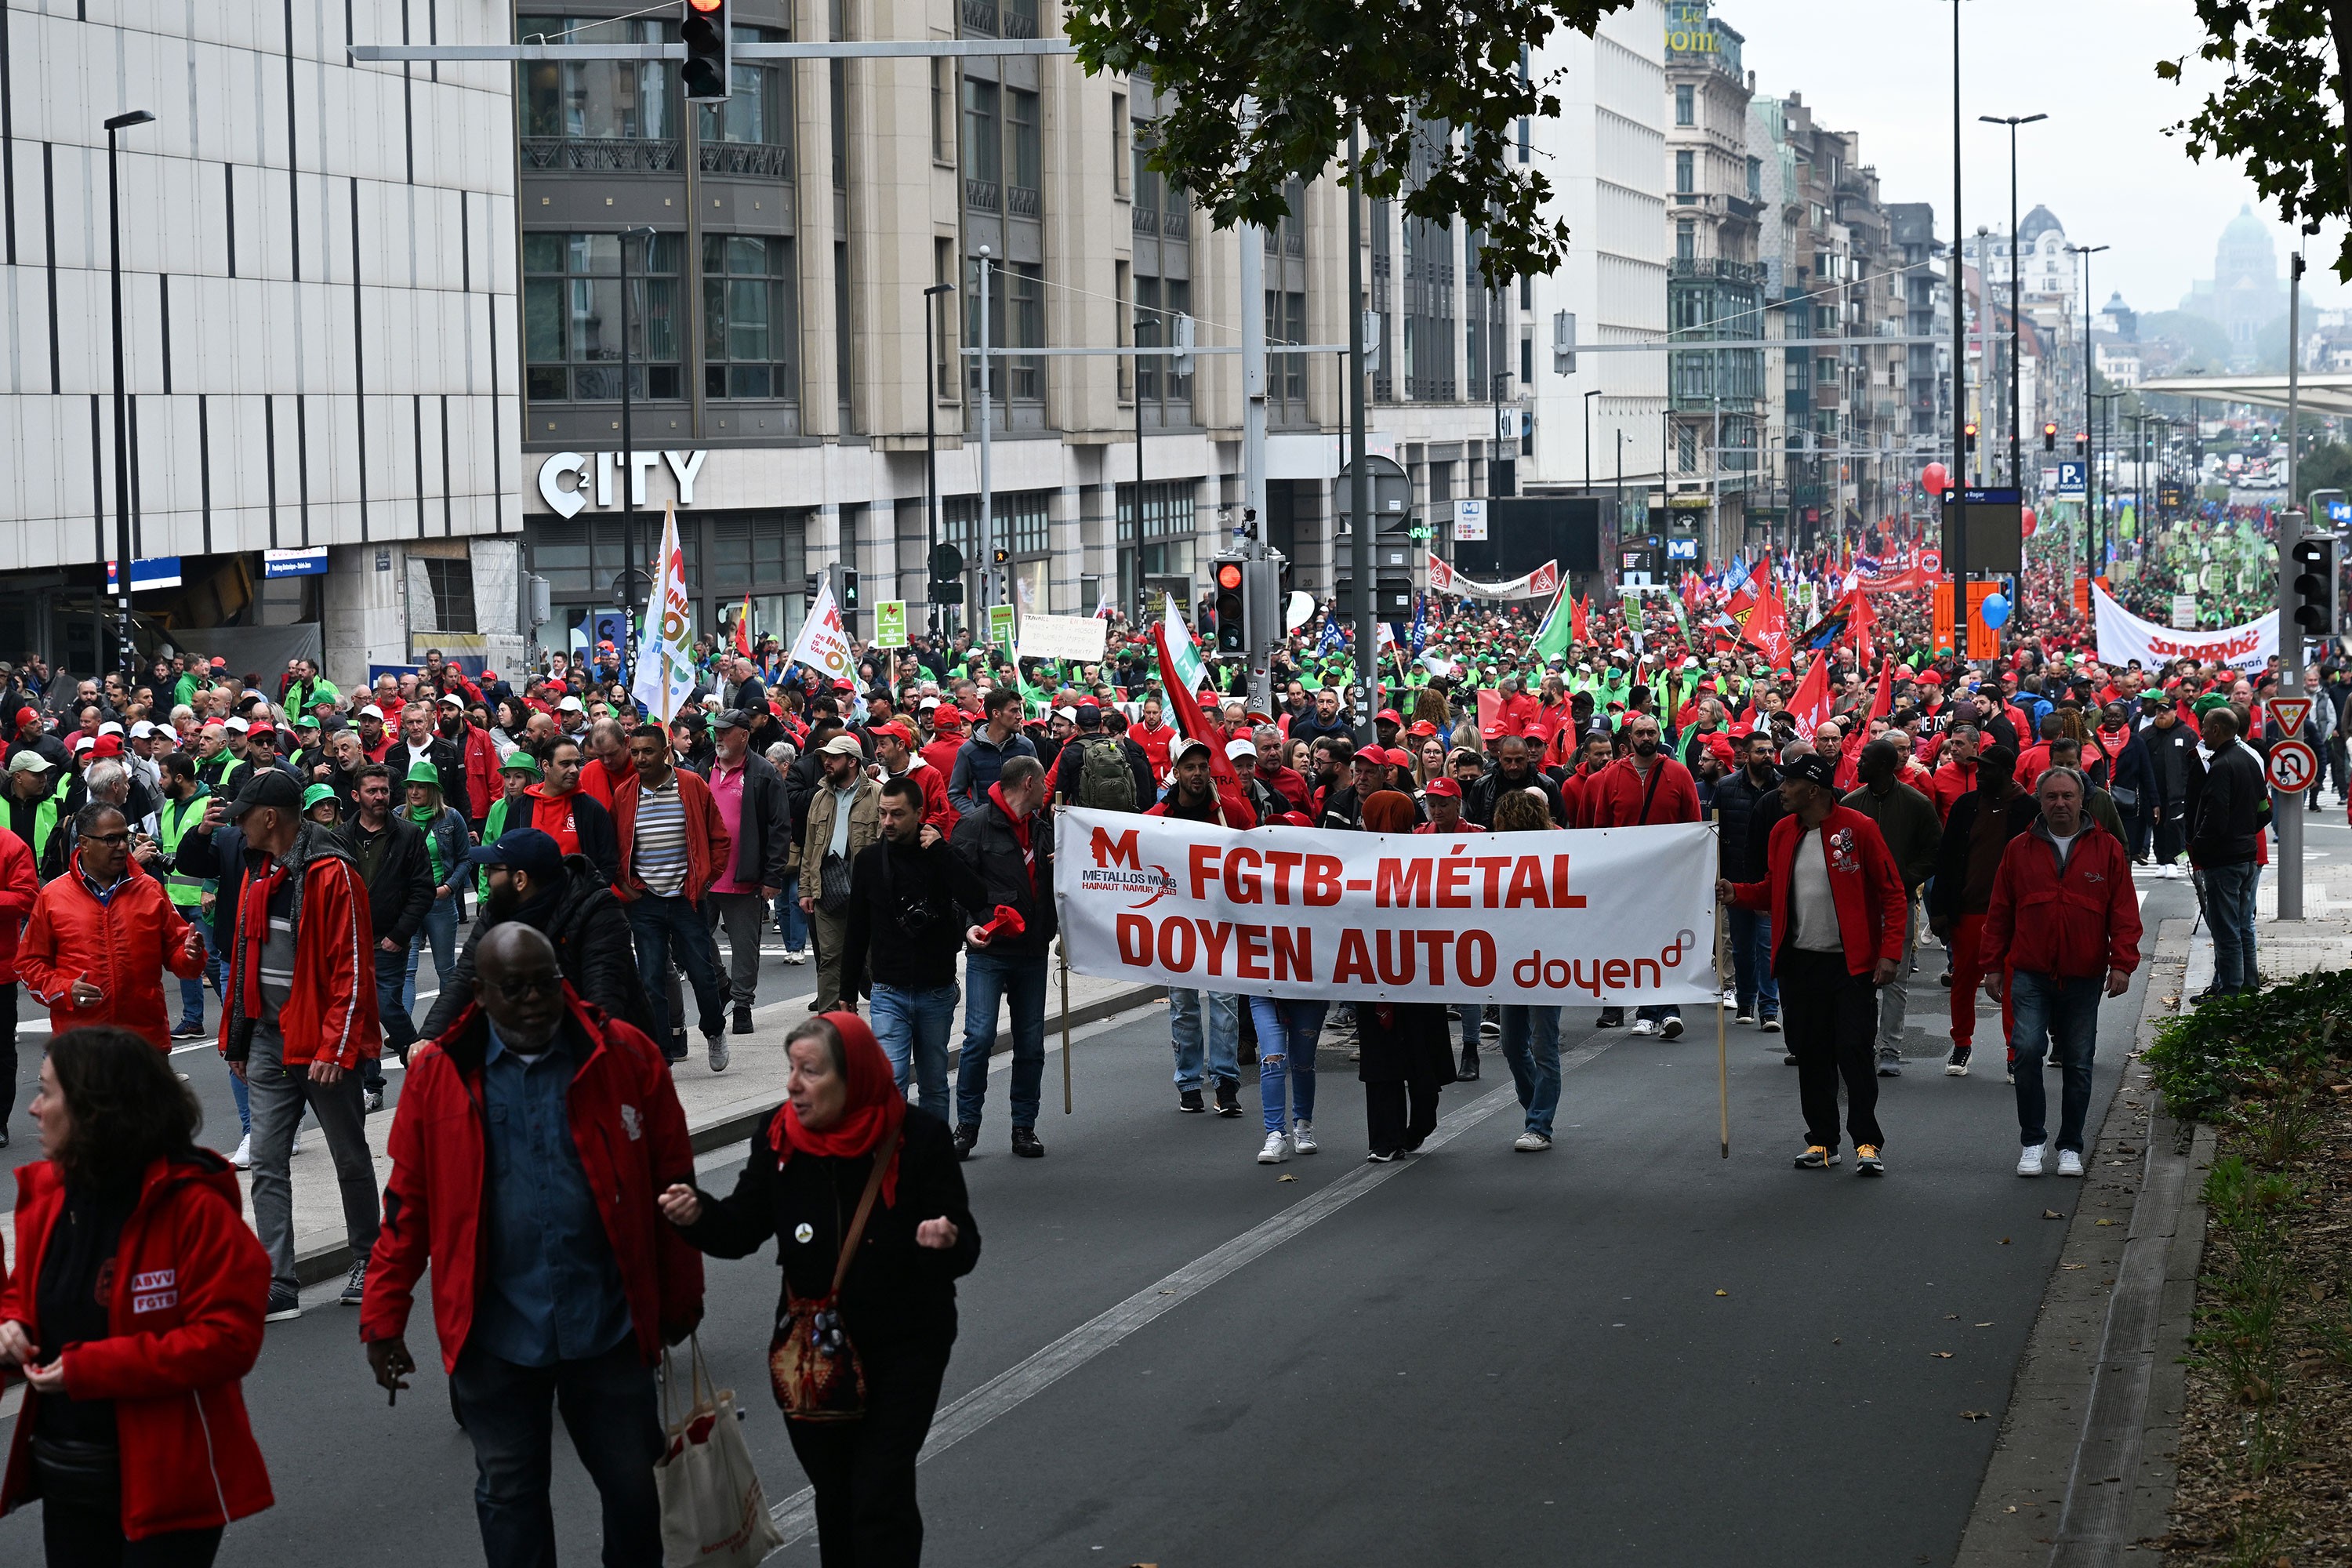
[527,1150]
[299,969]
[1644,787]
[2065,923]
[673,842]
[98,938]
[1838,915]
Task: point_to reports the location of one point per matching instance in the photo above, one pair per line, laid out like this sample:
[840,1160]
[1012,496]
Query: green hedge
[2233,1047]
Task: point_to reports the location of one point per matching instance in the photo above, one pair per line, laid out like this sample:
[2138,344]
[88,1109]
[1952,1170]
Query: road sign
[2290,713]
[2072,475]
[890,623]
[2292,767]
[1000,626]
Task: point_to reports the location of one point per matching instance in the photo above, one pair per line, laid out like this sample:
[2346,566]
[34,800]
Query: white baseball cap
[139,731]
[372,711]
[236,724]
[109,728]
[570,705]
[1238,747]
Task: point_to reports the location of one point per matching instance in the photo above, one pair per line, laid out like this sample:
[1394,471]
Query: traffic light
[2049,436]
[848,594]
[1231,575]
[2315,586]
[1971,428]
[2082,443]
[704,30]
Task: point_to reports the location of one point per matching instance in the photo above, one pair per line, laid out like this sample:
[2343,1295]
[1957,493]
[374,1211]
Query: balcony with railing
[1019,20]
[983,195]
[1020,201]
[980,16]
[1144,219]
[1714,268]
[763,160]
[601,154]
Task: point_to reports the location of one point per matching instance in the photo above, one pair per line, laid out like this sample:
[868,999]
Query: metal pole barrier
[1065,1031]
[1722,1047]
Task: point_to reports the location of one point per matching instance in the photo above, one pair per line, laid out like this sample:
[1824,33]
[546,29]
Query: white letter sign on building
[566,499]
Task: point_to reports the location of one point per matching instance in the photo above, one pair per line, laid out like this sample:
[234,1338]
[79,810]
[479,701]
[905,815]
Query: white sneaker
[296,1148]
[1643,1027]
[1672,1027]
[1302,1138]
[243,1158]
[2070,1163]
[1531,1144]
[2029,1161]
[797,955]
[1277,1150]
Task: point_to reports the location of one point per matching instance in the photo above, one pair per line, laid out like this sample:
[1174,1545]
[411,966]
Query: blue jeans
[191,992]
[1224,1049]
[1531,1044]
[1751,962]
[2065,1014]
[790,921]
[1473,1017]
[1019,982]
[399,1024]
[608,1407]
[2229,908]
[440,929]
[675,930]
[912,1026]
[1286,1051]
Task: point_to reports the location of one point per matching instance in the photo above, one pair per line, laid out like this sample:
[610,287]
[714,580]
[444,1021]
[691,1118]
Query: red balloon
[2030,521]
[1933,479]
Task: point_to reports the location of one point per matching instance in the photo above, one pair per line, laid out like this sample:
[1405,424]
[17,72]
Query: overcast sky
[2101,162]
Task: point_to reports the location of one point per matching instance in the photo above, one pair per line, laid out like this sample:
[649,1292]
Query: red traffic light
[706,4]
[1229,575]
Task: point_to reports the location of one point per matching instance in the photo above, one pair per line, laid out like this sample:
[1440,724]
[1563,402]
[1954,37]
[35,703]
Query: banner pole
[1722,1049]
[1066,1030]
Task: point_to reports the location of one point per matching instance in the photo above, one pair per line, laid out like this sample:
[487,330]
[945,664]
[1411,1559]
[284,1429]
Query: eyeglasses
[526,986]
[106,837]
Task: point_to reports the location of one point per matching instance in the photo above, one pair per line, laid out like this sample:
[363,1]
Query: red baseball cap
[1391,714]
[1422,727]
[1445,786]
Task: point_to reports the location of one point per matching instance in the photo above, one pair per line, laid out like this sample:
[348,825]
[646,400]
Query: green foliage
[2281,109]
[2326,466]
[1259,93]
[2250,1044]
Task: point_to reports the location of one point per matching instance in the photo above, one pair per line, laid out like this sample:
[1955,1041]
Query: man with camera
[907,898]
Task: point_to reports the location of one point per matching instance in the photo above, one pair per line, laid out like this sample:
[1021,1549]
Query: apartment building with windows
[788,362]
[1600,417]
[324,400]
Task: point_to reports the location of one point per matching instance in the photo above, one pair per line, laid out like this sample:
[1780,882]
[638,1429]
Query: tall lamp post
[1588,396]
[122,414]
[630,603]
[2090,562]
[931,443]
[2016,454]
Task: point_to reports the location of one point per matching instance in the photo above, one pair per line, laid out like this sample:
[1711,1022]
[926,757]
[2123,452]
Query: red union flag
[1607,917]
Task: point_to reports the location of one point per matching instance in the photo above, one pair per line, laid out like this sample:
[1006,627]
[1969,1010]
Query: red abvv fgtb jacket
[190,1286]
[707,844]
[1863,885]
[1620,797]
[2075,923]
[631,1135]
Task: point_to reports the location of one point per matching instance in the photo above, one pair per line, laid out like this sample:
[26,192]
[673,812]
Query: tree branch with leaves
[2285,108]
[1261,93]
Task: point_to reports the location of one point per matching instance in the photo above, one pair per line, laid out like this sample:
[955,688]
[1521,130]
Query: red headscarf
[872,1110]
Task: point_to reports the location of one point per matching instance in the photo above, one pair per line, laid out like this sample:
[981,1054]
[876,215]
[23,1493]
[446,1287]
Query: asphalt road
[1626,1349]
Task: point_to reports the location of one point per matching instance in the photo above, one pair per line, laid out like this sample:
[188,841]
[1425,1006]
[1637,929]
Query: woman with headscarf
[804,1182]
[1406,1051]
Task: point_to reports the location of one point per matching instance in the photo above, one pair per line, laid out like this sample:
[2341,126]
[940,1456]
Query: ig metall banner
[1614,916]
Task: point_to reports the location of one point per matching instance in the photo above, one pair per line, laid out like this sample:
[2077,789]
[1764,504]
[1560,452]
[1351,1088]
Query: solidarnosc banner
[1614,916]
[2124,636]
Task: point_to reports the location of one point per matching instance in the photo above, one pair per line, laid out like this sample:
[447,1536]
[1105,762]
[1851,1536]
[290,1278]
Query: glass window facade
[749,327]
[573,315]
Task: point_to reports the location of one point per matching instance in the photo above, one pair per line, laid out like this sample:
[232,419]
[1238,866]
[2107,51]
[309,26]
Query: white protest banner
[2124,636]
[823,645]
[1062,637]
[1612,917]
[665,676]
[1445,579]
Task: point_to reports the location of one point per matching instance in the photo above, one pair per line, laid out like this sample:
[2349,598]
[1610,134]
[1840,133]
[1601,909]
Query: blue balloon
[1995,611]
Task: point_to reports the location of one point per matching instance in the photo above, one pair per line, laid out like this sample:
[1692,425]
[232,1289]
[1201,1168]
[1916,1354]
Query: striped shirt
[657,850]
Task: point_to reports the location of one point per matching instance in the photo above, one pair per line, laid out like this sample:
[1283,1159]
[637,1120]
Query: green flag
[1551,638]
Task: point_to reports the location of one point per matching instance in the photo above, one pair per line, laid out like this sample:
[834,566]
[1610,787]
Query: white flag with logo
[665,673]
[1181,651]
[823,645]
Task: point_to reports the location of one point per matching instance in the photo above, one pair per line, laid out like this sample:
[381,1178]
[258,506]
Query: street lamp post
[2090,561]
[1588,396]
[2016,456]
[121,414]
[931,443]
[630,604]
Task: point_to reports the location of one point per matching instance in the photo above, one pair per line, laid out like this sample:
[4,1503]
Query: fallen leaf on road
[2010,1509]
[2051,1214]
[1723,1292]
[1286,1178]
[1974,1414]
[2073,1266]
[2106,1222]
[2004,1241]
[1941,1355]
[1984,1325]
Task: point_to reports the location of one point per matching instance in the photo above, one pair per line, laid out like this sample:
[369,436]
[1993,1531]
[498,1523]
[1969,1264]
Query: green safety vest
[45,819]
[220,773]
[173,822]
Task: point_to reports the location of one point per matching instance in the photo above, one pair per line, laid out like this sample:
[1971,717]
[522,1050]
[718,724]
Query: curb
[2084,1468]
[333,1259]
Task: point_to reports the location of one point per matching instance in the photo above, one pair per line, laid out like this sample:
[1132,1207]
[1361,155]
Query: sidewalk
[721,1109]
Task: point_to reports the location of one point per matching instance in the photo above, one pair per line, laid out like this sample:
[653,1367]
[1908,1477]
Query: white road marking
[796,1516]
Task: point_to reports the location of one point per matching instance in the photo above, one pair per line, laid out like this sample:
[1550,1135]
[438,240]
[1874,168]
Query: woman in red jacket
[134,1309]
[1839,917]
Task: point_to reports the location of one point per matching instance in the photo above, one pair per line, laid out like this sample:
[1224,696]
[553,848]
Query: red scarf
[253,931]
[1020,834]
[872,1110]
